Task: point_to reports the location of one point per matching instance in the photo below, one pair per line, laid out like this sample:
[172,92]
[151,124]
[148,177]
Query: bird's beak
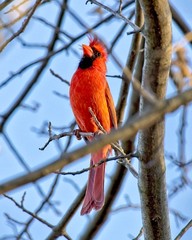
[87,51]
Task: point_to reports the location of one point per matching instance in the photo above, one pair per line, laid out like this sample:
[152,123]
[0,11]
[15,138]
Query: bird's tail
[94,196]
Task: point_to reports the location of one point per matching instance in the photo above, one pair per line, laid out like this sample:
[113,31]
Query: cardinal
[89,89]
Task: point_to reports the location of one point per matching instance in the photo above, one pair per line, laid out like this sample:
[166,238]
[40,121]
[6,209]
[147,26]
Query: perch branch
[142,121]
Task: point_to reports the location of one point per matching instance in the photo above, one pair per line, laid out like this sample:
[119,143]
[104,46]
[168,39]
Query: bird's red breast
[89,89]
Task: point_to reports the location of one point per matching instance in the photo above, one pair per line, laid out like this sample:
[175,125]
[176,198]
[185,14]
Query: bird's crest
[94,42]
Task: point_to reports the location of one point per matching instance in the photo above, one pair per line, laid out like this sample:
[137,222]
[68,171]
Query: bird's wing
[111,107]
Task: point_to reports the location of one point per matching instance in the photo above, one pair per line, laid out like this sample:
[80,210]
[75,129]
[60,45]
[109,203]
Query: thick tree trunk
[152,185]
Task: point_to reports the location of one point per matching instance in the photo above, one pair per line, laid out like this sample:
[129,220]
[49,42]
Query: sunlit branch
[37,74]
[128,156]
[124,161]
[53,53]
[130,63]
[146,119]
[25,23]
[116,14]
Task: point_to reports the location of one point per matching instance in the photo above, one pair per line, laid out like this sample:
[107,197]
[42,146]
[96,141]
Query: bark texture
[152,186]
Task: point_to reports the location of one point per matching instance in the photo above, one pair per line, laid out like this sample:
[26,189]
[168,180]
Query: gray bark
[152,185]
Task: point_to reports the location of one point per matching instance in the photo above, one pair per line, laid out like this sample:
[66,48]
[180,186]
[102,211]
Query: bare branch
[139,234]
[116,14]
[21,206]
[24,25]
[59,77]
[128,156]
[56,44]
[65,47]
[178,216]
[120,6]
[42,205]
[145,120]
[24,165]
[124,161]
[37,74]
[5,4]
[61,135]
[115,76]
[130,63]
[67,217]
[184,230]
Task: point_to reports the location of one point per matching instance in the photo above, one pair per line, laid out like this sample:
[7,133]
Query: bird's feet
[96,134]
[77,134]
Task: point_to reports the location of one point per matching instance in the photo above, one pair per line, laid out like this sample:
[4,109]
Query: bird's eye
[96,53]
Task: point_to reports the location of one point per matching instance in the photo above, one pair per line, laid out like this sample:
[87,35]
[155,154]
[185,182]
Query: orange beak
[87,51]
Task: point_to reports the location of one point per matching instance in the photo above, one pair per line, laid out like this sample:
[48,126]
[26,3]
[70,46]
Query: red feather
[89,88]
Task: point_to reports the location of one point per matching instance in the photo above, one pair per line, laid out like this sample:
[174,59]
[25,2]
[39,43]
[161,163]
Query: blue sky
[58,111]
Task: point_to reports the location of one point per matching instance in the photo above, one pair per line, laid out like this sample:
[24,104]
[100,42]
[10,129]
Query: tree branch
[148,118]
[39,71]
[24,25]
[116,14]
[134,50]
[157,60]
[43,221]
[128,156]
[184,230]
[57,230]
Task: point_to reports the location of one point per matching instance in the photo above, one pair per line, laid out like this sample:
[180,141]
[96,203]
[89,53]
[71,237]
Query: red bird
[89,89]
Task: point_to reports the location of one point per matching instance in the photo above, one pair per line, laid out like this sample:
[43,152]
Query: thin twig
[64,134]
[8,25]
[184,230]
[25,166]
[120,6]
[139,234]
[128,156]
[25,23]
[125,162]
[178,216]
[59,77]
[37,73]
[5,4]
[116,14]
[13,220]
[114,76]
[45,201]
[16,7]
[67,217]
[145,120]
[137,86]
[127,205]
[44,21]
[21,206]
[53,53]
